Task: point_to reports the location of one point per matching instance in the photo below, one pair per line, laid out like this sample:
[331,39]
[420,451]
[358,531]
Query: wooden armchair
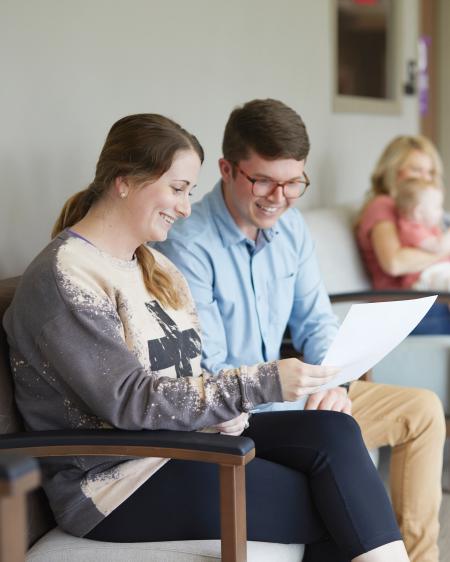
[230,454]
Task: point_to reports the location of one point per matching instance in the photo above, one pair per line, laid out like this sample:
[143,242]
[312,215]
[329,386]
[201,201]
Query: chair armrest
[366,296]
[382,296]
[229,452]
[187,445]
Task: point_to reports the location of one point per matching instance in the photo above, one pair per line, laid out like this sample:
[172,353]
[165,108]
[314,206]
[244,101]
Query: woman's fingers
[233,427]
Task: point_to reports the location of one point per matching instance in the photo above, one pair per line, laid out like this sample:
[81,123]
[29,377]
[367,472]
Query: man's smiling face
[251,212]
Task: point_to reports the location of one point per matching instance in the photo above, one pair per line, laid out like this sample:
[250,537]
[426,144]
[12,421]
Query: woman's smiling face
[151,208]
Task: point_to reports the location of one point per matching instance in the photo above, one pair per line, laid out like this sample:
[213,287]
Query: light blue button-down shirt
[248,292]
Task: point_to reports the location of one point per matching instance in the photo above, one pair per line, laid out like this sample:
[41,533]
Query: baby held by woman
[420,211]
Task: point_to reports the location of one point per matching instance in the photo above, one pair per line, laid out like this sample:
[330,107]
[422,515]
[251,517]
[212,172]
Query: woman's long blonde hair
[141,147]
[384,176]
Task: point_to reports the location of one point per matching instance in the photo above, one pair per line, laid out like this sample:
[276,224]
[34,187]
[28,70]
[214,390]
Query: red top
[380,209]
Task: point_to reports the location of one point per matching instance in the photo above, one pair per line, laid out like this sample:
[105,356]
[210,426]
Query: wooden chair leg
[233,514]
[17,477]
[12,529]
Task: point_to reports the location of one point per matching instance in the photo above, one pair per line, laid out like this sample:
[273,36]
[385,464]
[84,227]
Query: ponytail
[75,208]
[156,280]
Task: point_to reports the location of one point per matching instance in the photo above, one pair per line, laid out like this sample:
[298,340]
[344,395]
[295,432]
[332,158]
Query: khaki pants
[412,422]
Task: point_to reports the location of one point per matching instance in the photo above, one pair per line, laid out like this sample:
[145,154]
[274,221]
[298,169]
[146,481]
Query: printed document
[369,332]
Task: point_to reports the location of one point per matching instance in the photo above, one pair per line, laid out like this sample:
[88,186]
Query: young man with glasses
[249,260]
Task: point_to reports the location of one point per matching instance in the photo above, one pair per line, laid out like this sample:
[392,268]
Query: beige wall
[71,68]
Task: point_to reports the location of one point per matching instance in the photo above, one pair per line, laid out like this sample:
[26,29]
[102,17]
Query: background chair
[50,544]
[418,361]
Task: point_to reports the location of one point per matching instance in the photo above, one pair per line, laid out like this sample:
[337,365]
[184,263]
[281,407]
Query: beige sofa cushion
[57,546]
[336,249]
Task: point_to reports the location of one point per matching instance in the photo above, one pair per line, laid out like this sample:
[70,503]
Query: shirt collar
[228,230]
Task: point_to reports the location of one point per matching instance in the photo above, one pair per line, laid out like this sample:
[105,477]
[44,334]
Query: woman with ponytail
[103,333]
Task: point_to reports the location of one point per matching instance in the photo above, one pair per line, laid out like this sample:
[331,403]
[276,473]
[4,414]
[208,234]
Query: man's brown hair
[268,127]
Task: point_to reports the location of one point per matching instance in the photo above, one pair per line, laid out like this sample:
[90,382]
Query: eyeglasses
[292,189]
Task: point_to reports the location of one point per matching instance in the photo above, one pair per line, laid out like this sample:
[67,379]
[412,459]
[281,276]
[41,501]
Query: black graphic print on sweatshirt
[175,348]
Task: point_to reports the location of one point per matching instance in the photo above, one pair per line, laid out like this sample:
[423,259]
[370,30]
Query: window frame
[362,104]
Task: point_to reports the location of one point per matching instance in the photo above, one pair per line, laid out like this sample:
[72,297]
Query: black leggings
[312,482]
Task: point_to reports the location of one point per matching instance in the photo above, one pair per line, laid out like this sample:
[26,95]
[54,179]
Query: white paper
[369,332]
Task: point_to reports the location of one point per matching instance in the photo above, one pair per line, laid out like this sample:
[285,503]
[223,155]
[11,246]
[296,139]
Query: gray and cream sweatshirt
[90,347]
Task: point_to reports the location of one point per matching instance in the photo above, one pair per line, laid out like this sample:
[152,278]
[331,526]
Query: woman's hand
[233,427]
[298,378]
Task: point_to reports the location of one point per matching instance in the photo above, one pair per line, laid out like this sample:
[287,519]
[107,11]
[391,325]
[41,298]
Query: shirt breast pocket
[280,297]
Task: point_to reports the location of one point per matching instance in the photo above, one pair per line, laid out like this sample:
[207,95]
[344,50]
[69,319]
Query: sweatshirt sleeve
[90,364]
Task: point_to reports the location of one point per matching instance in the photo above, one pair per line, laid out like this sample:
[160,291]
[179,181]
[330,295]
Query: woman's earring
[123,194]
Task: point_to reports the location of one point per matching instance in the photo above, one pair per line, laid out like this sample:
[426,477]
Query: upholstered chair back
[40,519]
